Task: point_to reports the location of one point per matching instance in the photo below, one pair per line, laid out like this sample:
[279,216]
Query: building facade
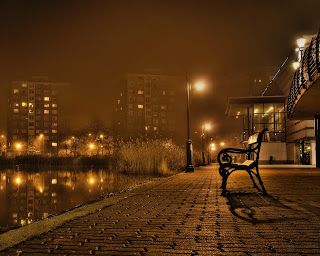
[34,117]
[147,106]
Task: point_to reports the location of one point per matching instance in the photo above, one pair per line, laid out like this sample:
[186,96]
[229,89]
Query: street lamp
[199,86]
[42,137]
[208,127]
[202,142]
[301,42]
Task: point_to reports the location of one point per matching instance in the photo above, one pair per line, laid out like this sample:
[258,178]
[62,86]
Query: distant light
[91,146]
[200,86]
[72,137]
[41,190]
[4,177]
[296,64]
[54,181]
[301,41]
[207,126]
[237,116]
[101,136]
[18,146]
[89,134]
[41,135]
[18,180]
[91,181]
[2,136]
[222,144]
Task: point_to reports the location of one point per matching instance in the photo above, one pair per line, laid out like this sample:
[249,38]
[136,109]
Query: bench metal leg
[224,184]
[260,182]
[254,183]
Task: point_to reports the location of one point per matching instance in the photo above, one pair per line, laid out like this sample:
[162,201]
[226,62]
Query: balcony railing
[305,74]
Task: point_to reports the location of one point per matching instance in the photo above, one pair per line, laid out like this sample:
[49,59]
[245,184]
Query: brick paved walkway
[185,215]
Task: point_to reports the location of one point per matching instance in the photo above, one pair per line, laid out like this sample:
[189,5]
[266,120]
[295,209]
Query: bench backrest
[254,143]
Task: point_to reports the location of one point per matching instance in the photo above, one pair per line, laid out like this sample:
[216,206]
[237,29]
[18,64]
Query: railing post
[317,135]
[317,52]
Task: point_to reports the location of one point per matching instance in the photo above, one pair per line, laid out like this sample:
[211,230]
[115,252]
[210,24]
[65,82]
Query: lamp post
[189,167]
[202,142]
[189,149]
[208,127]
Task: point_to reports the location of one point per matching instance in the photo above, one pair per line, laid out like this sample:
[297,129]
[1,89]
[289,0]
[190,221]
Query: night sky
[93,44]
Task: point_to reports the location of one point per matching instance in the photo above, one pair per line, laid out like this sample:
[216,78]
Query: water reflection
[27,196]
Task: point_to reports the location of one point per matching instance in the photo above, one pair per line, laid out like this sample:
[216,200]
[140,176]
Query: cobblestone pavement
[185,215]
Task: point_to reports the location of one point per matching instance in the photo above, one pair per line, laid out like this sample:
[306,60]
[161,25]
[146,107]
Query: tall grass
[158,156]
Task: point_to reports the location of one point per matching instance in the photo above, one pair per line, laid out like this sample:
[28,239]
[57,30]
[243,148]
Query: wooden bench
[227,166]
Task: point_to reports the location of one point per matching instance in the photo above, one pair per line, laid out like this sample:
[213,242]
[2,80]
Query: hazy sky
[93,44]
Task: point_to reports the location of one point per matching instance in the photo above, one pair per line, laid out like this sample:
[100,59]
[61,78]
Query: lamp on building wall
[301,42]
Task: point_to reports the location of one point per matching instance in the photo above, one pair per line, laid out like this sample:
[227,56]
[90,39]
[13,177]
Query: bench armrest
[225,157]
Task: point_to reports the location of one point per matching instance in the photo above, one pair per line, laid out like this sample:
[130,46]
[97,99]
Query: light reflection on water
[26,196]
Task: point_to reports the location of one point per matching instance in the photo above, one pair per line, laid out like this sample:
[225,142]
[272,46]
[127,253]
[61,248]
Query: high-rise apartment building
[34,116]
[147,106]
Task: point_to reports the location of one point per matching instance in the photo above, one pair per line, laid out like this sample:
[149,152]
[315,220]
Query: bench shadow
[257,208]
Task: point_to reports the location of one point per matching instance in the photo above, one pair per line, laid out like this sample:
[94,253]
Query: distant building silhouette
[34,116]
[147,106]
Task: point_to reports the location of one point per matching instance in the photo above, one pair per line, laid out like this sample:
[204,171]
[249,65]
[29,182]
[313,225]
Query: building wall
[276,150]
[147,107]
[34,117]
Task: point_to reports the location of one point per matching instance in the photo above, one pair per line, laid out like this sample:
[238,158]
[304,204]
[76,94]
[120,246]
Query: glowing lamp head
[207,126]
[91,180]
[222,144]
[91,146]
[301,42]
[101,136]
[296,64]
[18,180]
[200,86]
[41,135]
[18,146]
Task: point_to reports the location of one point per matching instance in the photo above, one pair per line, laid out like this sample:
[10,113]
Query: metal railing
[309,67]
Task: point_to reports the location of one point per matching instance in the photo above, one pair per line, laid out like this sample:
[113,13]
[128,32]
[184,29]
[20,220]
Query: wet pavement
[185,215]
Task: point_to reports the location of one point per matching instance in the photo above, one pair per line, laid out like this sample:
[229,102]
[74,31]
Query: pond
[26,196]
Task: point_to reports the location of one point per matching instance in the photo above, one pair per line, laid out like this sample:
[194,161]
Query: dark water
[26,196]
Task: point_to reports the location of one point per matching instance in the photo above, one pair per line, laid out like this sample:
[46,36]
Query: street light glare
[207,126]
[200,86]
[296,64]
[301,42]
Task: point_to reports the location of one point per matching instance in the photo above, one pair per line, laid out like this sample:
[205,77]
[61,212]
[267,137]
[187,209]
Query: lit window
[140,106]
[15,90]
[119,102]
[53,194]
[54,144]
[23,104]
[46,111]
[31,111]
[163,92]
[54,105]
[24,85]
[47,105]
[16,110]
[155,128]
[54,131]
[17,104]
[54,125]
[259,80]
[163,107]
[46,98]
[140,92]
[54,181]
[30,105]
[147,128]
